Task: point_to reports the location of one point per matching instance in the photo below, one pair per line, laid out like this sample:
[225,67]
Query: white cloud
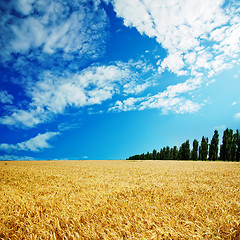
[26,118]
[126,105]
[174,63]
[94,85]
[237,116]
[133,87]
[91,86]
[5,97]
[74,27]
[236,102]
[34,144]
[220,127]
[201,37]
[210,82]
[16,158]
[24,6]
[168,100]
[190,58]
[175,24]
[65,126]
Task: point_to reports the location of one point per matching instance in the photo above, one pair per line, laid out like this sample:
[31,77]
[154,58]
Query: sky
[107,79]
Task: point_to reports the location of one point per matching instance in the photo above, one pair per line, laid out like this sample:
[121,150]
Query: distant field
[119,200]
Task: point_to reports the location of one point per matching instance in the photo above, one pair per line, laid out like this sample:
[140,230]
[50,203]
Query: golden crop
[119,200]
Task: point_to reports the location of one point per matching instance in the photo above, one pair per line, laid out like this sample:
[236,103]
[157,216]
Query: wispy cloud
[34,144]
[50,26]
[16,158]
[66,126]
[53,94]
[5,97]
[220,127]
[237,116]
[169,100]
[49,36]
[63,38]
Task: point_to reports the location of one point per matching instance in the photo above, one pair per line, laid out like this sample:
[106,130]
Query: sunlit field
[119,200]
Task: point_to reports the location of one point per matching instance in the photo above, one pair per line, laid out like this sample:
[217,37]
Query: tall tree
[184,151]
[164,153]
[187,150]
[238,146]
[213,148]
[200,153]
[234,147]
[194,154]
[226,147]
[161,154]
[181,153]
[171,154]
[167,157]
[175,153]
[154,154]
[204,149]
[229,149]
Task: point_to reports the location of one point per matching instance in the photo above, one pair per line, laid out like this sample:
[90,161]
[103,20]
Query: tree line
[205,150]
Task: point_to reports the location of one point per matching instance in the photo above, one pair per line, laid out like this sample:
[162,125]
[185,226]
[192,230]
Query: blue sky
[108,79]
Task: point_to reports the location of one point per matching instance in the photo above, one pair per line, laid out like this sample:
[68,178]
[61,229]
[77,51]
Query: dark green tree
[238,146]
[161,154]
[200,153]
[184,151]
[194,153]
[180,152]
[171,154]
[175,153]
[164,154]
[213,148]
[167,154]
[154,154]
[226,147]
[229,149]
[187,150]
[203,151]
[234,147]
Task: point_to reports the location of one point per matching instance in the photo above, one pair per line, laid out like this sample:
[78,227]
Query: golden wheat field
[119,200]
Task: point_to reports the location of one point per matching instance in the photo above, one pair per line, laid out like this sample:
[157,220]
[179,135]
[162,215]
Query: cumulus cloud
[174,63]
[201,37]
[34,144]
